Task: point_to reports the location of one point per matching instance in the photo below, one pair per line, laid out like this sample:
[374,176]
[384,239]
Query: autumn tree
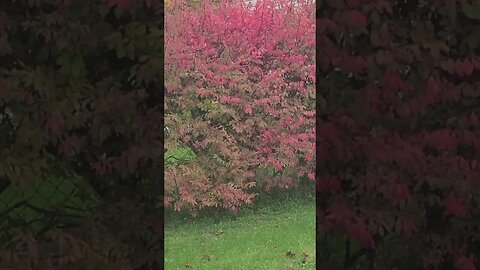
[240,95]
[398,141]
[81,98]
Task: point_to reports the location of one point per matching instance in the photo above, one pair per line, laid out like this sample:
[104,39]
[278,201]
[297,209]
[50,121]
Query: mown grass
[273,234]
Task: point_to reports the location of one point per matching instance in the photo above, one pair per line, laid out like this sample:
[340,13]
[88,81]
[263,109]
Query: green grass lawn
[48,195]
[276,235]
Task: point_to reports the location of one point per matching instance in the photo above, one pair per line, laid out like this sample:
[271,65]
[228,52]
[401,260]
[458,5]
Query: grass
[276,235]
[48,195]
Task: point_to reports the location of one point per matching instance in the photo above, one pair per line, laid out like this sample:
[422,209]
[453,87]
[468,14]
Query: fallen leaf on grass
[188,265]
[305,257]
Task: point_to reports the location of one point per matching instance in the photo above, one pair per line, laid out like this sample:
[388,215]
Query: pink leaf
[166,201]
[355,17]
[465,263]
[454,207]
[353,3]
[248,109]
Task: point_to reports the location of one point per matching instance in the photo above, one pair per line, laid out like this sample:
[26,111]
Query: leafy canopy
[240,94]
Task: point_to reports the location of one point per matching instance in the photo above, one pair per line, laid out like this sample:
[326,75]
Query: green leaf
[118,12]
[474,39]
[130,50]
[187,114]
[103,10]
[77,67]
[62,60]
[65,63]
[121,51]
[113,40]
[5,47]
[472,11]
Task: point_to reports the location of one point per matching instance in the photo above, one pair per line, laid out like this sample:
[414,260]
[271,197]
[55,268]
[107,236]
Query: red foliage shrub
[80,107]
[240,94]
[398,124]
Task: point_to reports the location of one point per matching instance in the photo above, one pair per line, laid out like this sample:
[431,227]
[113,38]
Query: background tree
[81,99]
[398,133]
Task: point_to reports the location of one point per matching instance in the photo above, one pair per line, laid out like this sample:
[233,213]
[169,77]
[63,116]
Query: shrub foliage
[398,128]
[239,94]
[80,97]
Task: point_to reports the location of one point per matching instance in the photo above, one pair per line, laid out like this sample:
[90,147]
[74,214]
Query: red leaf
[229,196]
[476,62]
[464,67]
[353,3]
[432,84]
[69,146]
[328,183]
[53,125]
[394,81]
[100,168]
[474,120]
[353,63]
[355,17]
[4,21]
[465,263]
[324,25]
[442,139]
[448,65]
[360,232]
[409,226]
[432,260]
[400,192]
[454,207]
[328,132]
[166,201]
[248,109]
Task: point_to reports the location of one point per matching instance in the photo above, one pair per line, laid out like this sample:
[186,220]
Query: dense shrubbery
[398,132]
[240,95]
[80,97]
